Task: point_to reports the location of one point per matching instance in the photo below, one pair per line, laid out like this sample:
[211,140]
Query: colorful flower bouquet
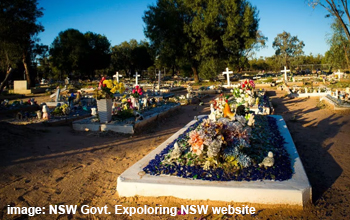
[248,84]
[107,88]
[224,151]
[137,92]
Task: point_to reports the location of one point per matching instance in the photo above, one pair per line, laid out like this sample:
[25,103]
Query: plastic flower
[196,142]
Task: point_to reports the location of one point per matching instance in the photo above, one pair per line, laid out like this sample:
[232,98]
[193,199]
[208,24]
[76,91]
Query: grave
[21,87]
[336,104]
[294,191]
[56,97]
[299,92]
[128,126]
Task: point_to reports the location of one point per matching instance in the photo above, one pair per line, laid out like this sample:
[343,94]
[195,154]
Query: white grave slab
[295,191]
[21,87]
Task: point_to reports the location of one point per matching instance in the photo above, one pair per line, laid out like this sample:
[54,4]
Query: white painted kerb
[296,191]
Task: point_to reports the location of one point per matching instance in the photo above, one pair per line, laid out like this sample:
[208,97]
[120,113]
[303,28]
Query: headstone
[66,81]
[21,87]
[117,75]
[42,81]
[56,95]
[285,73]
[227,73]
[159,77]
[136,77]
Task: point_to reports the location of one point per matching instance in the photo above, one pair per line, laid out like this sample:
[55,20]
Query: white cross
[117,75]
[228,75]
[160,72]
[136,76]
[285,73]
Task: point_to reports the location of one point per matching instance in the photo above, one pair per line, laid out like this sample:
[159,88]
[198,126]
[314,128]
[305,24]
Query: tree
[337,9]
[99,53]
[132,56]
[287,47]
[202,31]
[339,51]
[18,29]
[69,51]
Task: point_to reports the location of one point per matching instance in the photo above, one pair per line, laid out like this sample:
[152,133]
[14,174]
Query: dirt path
[42,166]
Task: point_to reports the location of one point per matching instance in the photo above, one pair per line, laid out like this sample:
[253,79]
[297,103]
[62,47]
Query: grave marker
[137,76]
[159,76]
[228,75]
[117,75]
[285,73]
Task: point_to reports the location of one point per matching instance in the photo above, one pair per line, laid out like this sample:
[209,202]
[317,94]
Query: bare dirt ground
[42,166]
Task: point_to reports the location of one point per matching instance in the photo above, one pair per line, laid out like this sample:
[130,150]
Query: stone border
[296,191]
[335,106]
[123,128]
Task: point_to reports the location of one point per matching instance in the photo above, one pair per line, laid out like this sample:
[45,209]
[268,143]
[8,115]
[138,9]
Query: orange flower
[196,143]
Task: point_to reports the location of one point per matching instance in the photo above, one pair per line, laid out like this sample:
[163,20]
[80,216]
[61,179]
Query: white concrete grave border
[295,191]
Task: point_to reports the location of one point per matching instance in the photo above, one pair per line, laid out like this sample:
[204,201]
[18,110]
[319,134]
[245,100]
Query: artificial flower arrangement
[107,88]
[137,92]
[248,84]
[225,150]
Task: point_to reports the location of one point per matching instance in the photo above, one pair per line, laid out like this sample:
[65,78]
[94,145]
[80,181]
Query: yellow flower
[108,83]
[114,90]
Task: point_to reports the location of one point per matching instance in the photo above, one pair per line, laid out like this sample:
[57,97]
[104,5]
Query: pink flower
[141,93]
[139,90]
[133,91]
[137,87]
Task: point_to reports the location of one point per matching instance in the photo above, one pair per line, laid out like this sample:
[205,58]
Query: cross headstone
[117,75]
[285,73]
[159,77]
[136,76]
[228,75]
[57,94]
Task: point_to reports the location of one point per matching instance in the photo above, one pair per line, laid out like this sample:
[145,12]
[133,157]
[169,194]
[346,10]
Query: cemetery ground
[43,166]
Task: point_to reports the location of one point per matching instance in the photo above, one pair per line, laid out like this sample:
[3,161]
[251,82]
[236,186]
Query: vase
[104,108]
[134,102]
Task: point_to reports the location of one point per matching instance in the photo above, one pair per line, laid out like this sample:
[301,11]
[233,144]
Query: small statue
[176,153]
[212,110]
[93,111]
[227,112]
[145,102]
[268,161]
[251,121]
[39,114]
[46,112]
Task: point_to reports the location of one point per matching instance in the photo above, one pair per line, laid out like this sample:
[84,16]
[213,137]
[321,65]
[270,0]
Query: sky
[121,20]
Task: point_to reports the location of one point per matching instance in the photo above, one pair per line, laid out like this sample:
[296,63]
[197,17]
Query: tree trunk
[195,73]
[2,86]
[346,56]
[24,60]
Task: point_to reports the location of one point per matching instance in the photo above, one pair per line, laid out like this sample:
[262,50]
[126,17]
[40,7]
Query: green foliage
[210,68]
[339,51]
[201,31]
[131,56]
[18,31]
[287,47]
[74,52]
